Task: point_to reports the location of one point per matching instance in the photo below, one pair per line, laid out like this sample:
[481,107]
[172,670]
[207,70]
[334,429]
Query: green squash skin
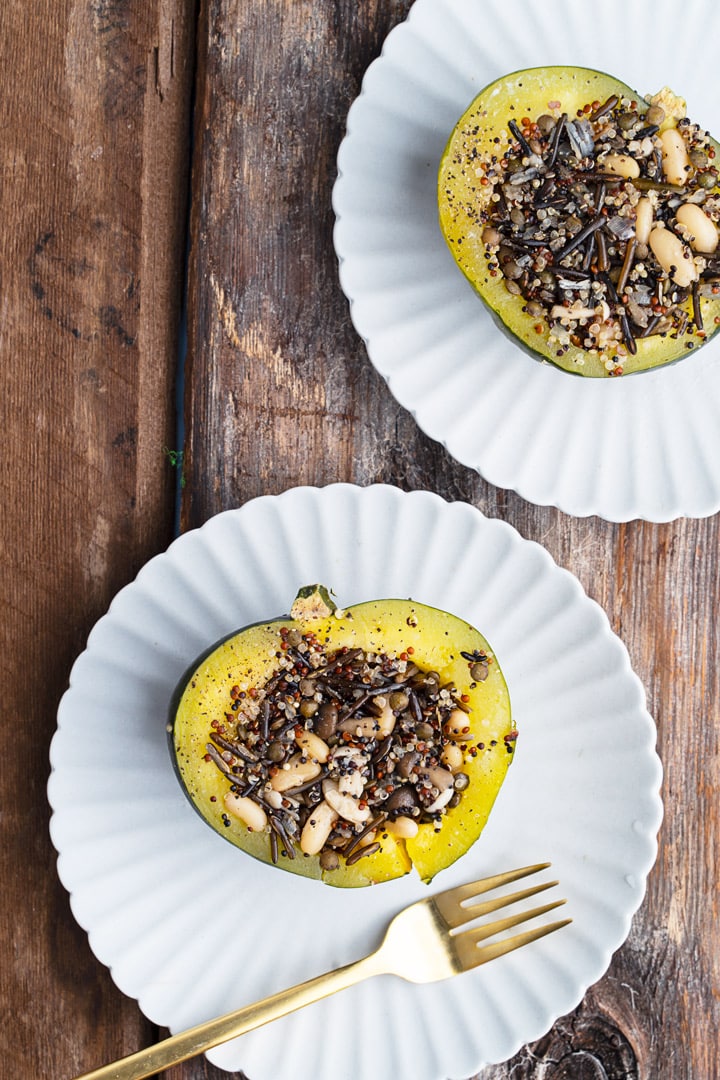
[249,656]
[527,93]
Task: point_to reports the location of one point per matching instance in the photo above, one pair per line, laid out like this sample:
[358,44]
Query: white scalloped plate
[644,446]
[191,927]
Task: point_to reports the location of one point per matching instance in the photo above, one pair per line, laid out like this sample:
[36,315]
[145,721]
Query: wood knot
[579,1047]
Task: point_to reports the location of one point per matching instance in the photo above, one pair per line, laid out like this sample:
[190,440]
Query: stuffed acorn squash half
[346,745]
[586,217]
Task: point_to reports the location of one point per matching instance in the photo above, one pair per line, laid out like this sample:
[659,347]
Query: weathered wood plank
[93,164]
[280,392]
[268,328]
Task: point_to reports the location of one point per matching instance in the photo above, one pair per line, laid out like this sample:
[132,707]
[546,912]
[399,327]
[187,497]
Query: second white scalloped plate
[192,927]
[644,446]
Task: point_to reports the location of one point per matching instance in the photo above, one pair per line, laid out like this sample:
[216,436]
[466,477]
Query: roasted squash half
[346,745]
[586,217]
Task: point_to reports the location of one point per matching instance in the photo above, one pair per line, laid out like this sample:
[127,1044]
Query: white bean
[675,160]
[643,221]
[369,727]
[703,233]
[298,770]
[404,827]
[247,810]
[347,807]
[442,800]
[452,757]
[386,720]
[563,313]
[365,727]
[457,725]
[273,798]
[368,839]
[674,256]
[313,746]
[317,828]
[621,165]
[351,783]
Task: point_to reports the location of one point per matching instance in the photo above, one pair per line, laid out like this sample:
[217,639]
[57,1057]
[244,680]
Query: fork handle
[196,1040]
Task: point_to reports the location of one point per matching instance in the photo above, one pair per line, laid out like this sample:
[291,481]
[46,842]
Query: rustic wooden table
[99,171]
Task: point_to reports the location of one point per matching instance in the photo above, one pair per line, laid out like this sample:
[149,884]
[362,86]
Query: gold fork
[419,945]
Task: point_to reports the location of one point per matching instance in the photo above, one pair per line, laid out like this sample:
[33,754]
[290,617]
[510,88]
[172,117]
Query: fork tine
[470,953]
[473,911]
[499,948]
[475,888]
[449,902]
[488,930]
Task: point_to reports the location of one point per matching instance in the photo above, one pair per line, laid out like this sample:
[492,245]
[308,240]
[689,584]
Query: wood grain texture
[93,168]
[280,392]
[268,330]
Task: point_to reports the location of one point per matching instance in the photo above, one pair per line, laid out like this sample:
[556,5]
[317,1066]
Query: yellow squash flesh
[249,658]
[482,135]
